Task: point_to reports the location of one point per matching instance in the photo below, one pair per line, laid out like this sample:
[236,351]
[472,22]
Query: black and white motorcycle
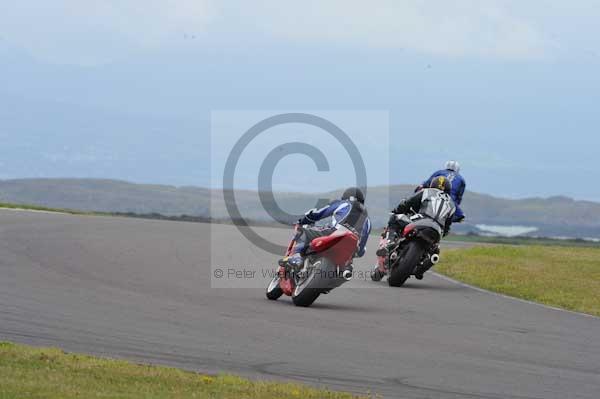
[412,254]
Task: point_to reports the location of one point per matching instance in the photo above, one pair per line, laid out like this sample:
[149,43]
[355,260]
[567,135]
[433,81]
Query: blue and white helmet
[453,166]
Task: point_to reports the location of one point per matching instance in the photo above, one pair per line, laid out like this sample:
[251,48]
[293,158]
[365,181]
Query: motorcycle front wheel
[274,291]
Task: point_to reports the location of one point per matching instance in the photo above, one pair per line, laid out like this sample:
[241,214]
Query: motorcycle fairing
[339,247]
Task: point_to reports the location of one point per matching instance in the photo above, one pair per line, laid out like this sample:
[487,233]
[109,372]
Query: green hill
[555,216]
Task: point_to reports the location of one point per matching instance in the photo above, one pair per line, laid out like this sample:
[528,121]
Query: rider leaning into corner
[458,186]
[349,212]
[433,202]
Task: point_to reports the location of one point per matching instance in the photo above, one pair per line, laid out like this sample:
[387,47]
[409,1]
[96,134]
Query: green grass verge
[519,240]
[27,372]
[566,277]
[575,242]
[45,209]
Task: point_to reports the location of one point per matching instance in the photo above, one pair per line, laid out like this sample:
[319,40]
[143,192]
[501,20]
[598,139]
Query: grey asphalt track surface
[141,289]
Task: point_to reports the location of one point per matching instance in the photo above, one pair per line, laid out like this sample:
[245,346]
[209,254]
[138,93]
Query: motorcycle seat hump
[339,246]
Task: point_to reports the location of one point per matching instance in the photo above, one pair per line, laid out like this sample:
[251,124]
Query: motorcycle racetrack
[141,290]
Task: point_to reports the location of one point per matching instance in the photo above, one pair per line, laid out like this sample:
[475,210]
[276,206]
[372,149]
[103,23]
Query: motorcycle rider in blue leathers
[451,172]
[348,212]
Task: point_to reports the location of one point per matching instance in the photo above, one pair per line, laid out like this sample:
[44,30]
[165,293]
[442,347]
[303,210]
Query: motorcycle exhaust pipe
[347,274]
[435,258]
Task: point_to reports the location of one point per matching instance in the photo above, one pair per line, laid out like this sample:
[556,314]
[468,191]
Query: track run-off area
[144,290]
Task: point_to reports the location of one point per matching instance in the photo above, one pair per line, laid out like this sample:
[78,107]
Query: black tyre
[274,291]
[403,268]
[308,290]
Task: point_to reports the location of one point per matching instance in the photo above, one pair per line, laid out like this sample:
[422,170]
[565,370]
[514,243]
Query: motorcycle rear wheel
[401,271]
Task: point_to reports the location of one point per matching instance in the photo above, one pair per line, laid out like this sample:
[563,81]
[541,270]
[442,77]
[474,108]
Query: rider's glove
[304,223]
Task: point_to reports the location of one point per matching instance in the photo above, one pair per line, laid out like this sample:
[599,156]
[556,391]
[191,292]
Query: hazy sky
[124,89]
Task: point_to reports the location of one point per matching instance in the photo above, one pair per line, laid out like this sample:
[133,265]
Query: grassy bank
[27,372]
[566,277]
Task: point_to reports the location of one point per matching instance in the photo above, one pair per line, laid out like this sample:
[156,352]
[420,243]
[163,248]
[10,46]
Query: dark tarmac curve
[140,289]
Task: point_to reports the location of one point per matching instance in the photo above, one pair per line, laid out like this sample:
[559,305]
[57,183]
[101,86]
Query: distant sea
[505,231]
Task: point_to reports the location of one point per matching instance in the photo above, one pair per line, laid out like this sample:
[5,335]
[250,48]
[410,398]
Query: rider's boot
[427,264]
[383,251]
[390,243]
